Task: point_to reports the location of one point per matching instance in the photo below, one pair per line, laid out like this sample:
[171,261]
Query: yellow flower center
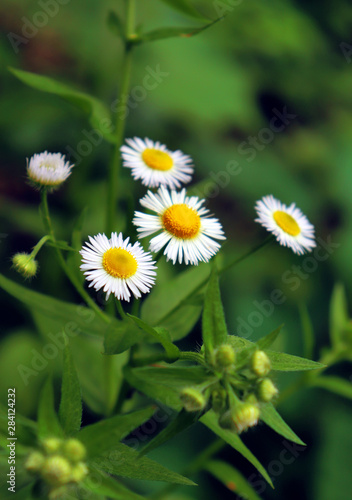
[287,223]
[181,221]
[157,160]
[119,263]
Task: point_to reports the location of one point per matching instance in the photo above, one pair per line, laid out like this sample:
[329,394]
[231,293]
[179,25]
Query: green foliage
[70,411]
[338,315]
[333,384]
[115,24]
[185,7]
[108,487]
[273,419]
[48,422]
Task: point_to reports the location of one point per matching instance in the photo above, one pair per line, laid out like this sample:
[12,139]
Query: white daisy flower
[155,164]
[117,266]
[186,229]
[290,227]
[48,169]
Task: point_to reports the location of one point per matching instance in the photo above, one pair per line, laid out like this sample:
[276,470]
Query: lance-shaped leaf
[339,317]
[70,411]
[231,478]
[115,24]
[210,419]
[124,461]
[176,377]
[161,335]
[104,435]
[98,114]
[273,419]
[106,486]
[269,339]
[118,339]
[48,422]
[333,384]
[283,362]
[185,7]
[214,329]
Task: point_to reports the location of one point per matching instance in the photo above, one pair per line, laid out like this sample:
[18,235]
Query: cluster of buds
[59,462]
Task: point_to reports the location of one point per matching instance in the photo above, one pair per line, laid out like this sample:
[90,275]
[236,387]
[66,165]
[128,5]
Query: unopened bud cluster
[59,462]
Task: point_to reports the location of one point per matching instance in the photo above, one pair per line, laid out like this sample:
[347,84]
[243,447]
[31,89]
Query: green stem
[120,310]
[39,245]
[121,113]
[71,276]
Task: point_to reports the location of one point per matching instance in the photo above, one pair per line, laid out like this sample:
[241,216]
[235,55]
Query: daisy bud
[48,170]
[224,356]
[74,450]
[25,264]
[246,415]
[218,400]
[267,390]
[52,445]
[192,399]
[34,462]
[261,365]
[79,472]
[56,470]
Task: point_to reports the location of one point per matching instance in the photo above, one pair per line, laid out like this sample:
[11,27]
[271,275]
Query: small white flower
[290,227]
[155,164]
[117,266]
[186,230]
[48,169]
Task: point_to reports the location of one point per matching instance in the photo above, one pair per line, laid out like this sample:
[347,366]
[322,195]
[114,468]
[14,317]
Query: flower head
[193,399]
[25,264]
[48,169]
[288,224]
[261,364]
[187,232]
[155,164]
[117,266]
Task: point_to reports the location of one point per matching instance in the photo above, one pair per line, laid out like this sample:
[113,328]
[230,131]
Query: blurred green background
[218,93]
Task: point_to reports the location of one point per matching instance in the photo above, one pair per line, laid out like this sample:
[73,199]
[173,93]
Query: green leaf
[115,24]
[308,332]
[214,329]
[168,304]
[172,32]
[70,411]
[173,376]
[231,478]
[119,338]
[339,317]
[283,362]
[74,258]
[185,7]
[162,336]
[210,419]
[124,461]
[48,422]
[104,435]
[108,487]
[333,384]
[97,112]
[62,245]
[273,419]
[269,339]
[183,420]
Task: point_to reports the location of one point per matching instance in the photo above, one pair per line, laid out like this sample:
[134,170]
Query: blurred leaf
[214,329]
[98,113]
[48,422]
[308,332]
[62,245]
[333,384]
[74,259]
[281,361]
[115,24]
[126,462]
[210,419]
[70,411]
[185,7]
[231,478]
[338,314]
[173,376]
[108,487]
[269,339]
[161,335]
[273,419]
[104,435]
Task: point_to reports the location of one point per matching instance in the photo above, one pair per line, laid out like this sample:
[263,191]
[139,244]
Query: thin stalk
[120,310]
[39,245]
[121,114]
[71,276]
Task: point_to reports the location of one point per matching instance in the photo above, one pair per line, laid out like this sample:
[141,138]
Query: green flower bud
[261,365]
[25,265]
[246,415]
[267,390]
[74,450]
[192,399]
[224,356]
[79,472]
[34,462]
[52,445]
[56,471]
[218,400]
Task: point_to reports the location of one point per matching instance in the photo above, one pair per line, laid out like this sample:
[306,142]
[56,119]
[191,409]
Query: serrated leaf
[172,32]
[273,419]
[210,419]
[338,314]
[124,461]
[281,361]
[269,339]
[185,7]
[231,478]
[104,435]
[108,487]
[308,332]
[70,410]
[48,422]
[115,24]
[214,329]
[182,421]
[333,384]
[161,335]
[97,112]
